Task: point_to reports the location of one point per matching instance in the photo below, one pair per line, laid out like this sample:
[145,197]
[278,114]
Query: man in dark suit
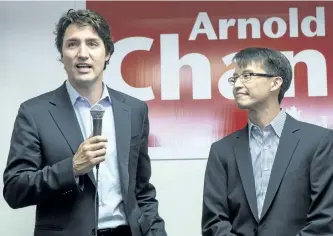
[274,177]
[53,156]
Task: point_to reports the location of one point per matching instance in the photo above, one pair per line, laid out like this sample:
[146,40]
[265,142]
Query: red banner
[177,57]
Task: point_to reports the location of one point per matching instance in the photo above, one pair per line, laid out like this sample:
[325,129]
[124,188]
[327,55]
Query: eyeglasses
[247,77]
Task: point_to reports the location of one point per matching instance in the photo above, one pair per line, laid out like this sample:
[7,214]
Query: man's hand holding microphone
[93,150]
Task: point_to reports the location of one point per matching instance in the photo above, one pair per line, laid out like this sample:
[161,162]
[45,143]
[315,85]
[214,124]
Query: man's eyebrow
[76,39]
[247,71]
[72,39]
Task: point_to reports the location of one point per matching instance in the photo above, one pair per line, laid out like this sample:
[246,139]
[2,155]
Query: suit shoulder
[39,100]
[225,141]
[131,101]
[313,129]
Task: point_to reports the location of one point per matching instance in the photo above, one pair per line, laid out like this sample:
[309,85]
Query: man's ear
[61,58]
[107,57]
[276,83]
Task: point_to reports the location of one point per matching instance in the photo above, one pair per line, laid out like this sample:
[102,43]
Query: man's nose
[238,83]
[83,52]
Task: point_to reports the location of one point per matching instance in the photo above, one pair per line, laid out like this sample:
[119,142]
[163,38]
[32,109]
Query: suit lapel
[122,122]
[64,116]
[244,163]
[287,145]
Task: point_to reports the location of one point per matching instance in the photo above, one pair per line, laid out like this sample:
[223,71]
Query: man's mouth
[241,94]
[83,67]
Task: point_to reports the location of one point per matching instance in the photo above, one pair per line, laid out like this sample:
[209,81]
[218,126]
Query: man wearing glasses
[274,177]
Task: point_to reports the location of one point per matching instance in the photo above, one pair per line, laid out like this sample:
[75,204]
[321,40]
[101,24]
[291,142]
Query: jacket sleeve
[26,180]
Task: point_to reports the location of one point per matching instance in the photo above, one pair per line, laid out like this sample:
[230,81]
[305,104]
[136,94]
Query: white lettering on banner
[241,24]
[171,64]
[207,29]
[316,72]
[281,25]
[115,79]
[201,70]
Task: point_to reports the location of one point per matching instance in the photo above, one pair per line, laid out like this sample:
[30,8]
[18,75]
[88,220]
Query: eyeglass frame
[234,78]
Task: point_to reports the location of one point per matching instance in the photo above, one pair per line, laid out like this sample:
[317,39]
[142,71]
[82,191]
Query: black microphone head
[97,111]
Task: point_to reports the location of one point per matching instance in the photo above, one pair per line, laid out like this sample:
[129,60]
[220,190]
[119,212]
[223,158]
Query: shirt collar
[74,95]
[277,123]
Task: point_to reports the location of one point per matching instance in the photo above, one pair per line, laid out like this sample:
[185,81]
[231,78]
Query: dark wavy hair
[83,18]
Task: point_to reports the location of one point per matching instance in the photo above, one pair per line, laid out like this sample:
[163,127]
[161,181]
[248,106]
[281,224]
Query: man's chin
[85,80]
[243,106]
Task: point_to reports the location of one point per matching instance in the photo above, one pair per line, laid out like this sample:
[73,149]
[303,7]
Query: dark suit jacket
[39,169]
[299,198]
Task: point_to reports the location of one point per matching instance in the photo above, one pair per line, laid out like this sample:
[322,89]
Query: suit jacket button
[255,231]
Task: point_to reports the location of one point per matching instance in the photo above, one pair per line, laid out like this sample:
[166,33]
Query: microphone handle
[97,126]
[97,130]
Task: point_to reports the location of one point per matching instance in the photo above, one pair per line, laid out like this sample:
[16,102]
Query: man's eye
[92,44]
[246,76]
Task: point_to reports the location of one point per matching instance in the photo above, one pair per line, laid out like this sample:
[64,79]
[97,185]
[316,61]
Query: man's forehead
[252,66]
[78,31]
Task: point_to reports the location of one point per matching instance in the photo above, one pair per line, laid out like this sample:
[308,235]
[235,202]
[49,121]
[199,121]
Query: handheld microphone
[97,113]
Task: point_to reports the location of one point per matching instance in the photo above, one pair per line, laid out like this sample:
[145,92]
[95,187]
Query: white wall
[29,67]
